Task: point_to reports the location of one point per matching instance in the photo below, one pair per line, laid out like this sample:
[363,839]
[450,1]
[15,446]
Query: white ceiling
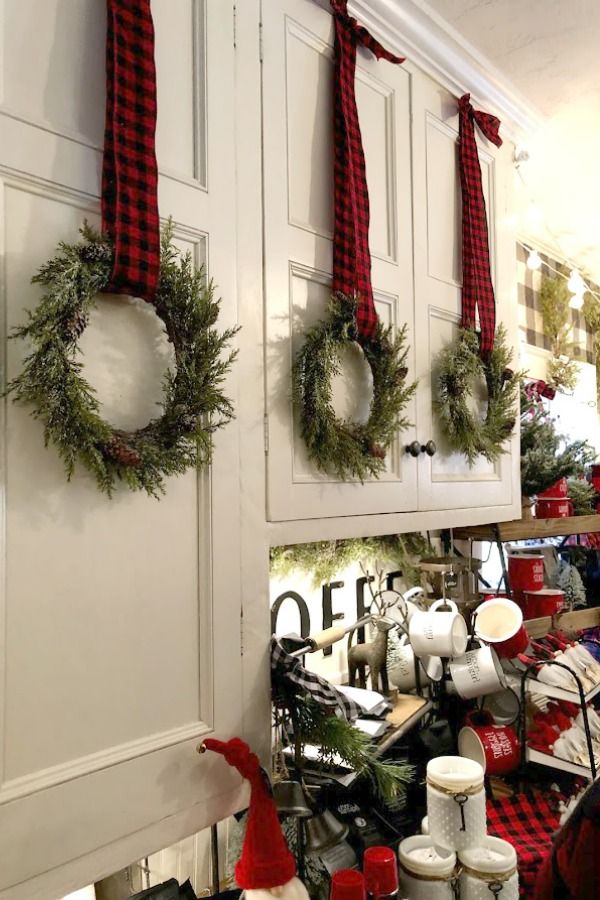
[550,51]
[548,48]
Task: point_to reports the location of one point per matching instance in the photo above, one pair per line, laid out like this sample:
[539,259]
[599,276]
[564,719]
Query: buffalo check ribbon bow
[129,168]
[287,669]
[351,257]
[477,290]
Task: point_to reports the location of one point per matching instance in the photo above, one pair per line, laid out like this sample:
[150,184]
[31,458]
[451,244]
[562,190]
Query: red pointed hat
[265,861]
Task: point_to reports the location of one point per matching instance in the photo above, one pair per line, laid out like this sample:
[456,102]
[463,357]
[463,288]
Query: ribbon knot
[477,291]
[351,257]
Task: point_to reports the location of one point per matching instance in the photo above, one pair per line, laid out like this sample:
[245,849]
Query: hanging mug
[441,633]
[401,665]
[495,747]
[499,622]
[477,672]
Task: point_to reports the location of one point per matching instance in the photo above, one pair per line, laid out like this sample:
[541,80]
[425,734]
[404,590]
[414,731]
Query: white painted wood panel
[446,481]
[298,140]
[121,620]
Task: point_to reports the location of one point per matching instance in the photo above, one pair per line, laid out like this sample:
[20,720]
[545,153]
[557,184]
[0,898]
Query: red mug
[499,622]
[526,572]
[546,602]
[560,488]
[495,747]
[553,508]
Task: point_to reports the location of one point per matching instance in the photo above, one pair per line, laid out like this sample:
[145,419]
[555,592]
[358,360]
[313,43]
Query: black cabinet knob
[429,448]
[414,449]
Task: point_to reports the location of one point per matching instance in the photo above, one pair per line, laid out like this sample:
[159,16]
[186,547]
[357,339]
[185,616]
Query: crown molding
[414,29]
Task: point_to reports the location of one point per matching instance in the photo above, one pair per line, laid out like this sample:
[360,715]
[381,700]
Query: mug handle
[437,603]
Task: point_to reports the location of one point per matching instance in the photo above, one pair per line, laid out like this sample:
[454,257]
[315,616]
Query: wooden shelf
[550,690]
[529,529]
[554,762]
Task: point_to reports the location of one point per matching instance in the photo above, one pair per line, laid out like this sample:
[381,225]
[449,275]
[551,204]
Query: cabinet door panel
[298,140]
[114,612]
[446,481]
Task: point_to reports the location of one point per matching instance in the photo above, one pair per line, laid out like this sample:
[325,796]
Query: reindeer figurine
[374,653]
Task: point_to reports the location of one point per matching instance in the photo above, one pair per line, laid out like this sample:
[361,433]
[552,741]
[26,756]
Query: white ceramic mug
[477,672]
[401,672]
[442,633]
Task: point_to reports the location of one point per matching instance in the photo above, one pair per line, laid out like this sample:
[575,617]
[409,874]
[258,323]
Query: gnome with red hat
[266,868]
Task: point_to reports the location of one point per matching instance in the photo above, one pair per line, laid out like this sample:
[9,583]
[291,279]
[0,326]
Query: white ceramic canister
[426,872]
[455,802]
[489,871]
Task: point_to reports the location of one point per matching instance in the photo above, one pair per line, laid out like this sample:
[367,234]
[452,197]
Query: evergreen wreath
[193,406]
[338,446]
[460,365]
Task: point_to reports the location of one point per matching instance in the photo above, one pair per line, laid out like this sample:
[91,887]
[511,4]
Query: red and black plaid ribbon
[129,170]
[351,257]
[477,291]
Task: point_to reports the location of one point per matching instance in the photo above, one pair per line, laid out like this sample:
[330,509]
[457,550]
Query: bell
[290,799]
[323,832]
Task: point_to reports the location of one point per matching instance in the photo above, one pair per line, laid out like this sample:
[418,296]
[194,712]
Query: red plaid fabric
[351,257]
[528,822]
[477,290]
[129,170]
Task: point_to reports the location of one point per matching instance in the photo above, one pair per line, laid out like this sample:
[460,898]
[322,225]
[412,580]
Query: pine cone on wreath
[121,453]
[95,252]
[76,325]
[377,451]
[401,375]
[507,374]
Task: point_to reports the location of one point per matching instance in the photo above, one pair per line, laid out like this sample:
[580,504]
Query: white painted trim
[306,530]
[414,29]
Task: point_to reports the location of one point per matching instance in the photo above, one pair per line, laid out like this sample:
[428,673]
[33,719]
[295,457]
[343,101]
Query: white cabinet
[120,619]
[409,127]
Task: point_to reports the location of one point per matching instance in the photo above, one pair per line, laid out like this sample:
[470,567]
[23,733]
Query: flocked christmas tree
[569,581]
[545,454]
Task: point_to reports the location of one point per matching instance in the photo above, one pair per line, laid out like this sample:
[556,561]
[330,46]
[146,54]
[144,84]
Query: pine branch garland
[194,405]
[325,559]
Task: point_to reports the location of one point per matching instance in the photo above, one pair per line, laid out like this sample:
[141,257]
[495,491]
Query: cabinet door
[298,192]
[115,613]
[445,480]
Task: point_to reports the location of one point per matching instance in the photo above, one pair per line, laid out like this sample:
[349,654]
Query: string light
[534,261]
[576,284]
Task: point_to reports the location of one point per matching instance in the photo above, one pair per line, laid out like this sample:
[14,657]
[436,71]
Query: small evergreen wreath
[337,446]
[460,365]
[194,405]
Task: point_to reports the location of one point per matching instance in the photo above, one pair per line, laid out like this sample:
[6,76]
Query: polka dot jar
[489,870]
[455,802]
[426,872]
